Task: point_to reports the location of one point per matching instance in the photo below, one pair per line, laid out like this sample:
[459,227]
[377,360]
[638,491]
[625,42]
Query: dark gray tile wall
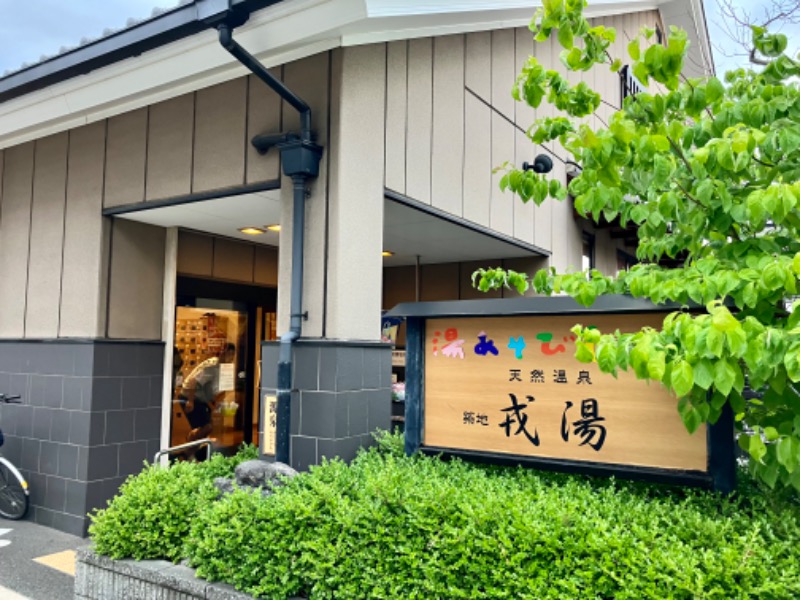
[342,395]
[91,415]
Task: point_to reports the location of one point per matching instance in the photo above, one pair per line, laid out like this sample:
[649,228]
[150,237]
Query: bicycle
[14,493]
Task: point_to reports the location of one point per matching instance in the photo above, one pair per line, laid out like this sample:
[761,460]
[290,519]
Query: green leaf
[633,49]
[715,341]
[737,341]
[682,377]
[723,320]
[565,37]
[756,447]
[689,415]
[703,373]
[607,357]
[656,365]
[786,451]
[583,353]
[724,376]
[586,294]
[714,90]
[773,276]
[662,169]
[791,361]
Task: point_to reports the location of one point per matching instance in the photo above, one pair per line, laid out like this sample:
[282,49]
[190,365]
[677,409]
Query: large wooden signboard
[512,385]
[498,381]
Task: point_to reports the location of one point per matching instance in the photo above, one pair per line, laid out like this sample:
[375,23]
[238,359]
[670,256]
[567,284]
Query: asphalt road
[20,543]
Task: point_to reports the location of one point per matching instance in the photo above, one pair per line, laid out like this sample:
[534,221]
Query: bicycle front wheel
[13,493]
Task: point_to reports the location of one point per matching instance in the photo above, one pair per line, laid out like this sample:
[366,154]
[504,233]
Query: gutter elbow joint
[225,36]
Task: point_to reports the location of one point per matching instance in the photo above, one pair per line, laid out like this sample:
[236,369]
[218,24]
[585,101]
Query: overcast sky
[32,28]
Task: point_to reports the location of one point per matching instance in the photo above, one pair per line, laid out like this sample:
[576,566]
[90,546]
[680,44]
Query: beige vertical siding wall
[450,120]
[355,215]
[67,271]
[312,79]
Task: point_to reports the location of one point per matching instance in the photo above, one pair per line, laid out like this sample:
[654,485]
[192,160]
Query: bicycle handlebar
[10,399]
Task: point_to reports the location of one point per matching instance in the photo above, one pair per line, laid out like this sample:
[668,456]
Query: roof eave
[179,23]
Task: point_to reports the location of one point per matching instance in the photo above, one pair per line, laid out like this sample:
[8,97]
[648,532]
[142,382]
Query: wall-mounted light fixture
[541,164]
[252,230]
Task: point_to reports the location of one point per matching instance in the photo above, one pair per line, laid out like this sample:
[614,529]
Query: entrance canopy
[411,231]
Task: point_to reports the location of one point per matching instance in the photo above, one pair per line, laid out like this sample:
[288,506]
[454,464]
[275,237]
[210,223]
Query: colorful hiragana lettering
[546,338]
[517,345]
[484,346]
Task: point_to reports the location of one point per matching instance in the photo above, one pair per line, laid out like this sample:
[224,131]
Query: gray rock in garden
[260,473]
[225,486]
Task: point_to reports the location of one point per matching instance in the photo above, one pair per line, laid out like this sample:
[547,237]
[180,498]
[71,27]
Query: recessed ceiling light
[387,253]
[252,230]
[274,227]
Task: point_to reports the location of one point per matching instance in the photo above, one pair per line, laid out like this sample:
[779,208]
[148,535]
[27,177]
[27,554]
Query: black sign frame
[721,470]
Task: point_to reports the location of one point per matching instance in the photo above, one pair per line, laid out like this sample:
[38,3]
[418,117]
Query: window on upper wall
[630,85]
[587,253]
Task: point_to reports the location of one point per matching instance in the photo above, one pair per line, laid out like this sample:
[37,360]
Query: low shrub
[395,527]
[389,526]
[220,465]
[154,510]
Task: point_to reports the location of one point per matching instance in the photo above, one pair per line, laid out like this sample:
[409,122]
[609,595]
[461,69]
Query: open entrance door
[218,332]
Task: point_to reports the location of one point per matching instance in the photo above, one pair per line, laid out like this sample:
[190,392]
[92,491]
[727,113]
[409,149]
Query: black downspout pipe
[300,158]
[284,391]
[249,61]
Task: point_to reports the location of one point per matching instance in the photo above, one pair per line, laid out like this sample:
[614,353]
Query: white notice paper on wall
[270,424]
[226,377]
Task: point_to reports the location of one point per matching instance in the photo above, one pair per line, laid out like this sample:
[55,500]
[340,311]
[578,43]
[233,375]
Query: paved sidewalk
[36,562]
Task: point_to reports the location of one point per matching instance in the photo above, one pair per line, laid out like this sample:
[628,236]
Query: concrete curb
[101,578]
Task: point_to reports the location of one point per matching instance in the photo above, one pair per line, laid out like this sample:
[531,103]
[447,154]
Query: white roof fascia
[281,33]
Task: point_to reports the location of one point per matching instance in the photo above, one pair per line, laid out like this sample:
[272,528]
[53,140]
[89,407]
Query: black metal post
[415,346]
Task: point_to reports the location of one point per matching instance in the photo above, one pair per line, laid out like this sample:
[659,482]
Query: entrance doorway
[219,328]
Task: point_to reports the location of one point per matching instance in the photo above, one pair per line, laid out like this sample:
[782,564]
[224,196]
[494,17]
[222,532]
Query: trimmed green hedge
[154,510]
[388,526]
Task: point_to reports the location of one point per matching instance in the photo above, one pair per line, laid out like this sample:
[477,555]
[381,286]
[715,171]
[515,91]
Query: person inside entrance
[201,390]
